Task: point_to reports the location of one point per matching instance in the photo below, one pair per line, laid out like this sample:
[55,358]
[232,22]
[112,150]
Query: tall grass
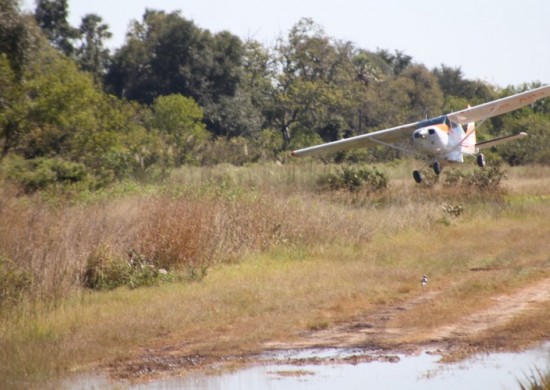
[274,255]
[195,222]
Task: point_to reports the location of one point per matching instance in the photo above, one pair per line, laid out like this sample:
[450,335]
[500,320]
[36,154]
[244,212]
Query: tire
[480,160]
[436,167]
[417,176]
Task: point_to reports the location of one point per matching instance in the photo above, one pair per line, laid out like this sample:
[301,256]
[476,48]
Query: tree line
[175,93]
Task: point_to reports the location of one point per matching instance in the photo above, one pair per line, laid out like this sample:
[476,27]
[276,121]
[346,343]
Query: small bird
[424,281]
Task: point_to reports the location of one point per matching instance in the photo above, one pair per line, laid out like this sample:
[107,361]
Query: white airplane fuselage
[431,141]
[439,138]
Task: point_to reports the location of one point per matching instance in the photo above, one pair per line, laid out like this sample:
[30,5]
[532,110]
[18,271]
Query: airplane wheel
[417,176]
[481,160]
[436,167]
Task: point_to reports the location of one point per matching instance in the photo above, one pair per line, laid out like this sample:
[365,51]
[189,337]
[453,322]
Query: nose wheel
[417,176]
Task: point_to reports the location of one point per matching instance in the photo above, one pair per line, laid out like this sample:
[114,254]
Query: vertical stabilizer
[468,144]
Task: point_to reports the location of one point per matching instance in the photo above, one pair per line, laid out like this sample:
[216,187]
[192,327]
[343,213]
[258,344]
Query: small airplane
[442,138]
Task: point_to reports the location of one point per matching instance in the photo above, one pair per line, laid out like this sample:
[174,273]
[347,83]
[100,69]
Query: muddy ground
[371,336]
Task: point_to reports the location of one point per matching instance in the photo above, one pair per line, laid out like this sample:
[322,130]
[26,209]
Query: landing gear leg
[480,160]
[417,176]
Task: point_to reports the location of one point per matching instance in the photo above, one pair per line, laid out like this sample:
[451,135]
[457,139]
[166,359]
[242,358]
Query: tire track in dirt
[370,329]
[504,309]
[374,330]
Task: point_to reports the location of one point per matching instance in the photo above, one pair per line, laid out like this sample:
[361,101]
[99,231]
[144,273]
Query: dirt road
[376,328]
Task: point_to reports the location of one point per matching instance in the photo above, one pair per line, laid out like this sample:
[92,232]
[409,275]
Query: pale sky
[503,42]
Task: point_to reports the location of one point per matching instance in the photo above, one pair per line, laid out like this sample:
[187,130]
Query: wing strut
[405,150]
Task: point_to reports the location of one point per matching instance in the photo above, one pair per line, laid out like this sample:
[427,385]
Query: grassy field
[228,258]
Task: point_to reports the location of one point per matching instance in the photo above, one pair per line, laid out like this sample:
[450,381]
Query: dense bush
[487,179]
[354,179]
[40,173]
[106,270]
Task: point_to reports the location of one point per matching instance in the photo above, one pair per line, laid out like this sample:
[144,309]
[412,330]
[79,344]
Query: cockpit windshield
[434,121]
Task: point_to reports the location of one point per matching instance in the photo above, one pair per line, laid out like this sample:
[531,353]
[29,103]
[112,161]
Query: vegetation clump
[353,179]
[15,283]
[105,270]
[41,173]
[486,179]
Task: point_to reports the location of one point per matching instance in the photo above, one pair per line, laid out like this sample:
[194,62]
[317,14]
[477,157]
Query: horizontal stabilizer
[501,140]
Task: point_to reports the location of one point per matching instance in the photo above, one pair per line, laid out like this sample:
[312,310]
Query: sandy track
[374,329]
[504,309]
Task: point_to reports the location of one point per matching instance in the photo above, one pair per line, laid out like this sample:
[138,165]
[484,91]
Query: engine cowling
[431,140]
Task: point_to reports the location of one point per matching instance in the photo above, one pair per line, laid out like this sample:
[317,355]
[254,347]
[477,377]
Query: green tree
[11,101]
[167,54]
[59,113]
[424,94]
[535,148]
[453,83]
[313,90]
[408,97]
[51,16]
[14,36]
[234,116]
[179,120]
[369,67]
[258,72]
[92,55]
[63,103]
[396,62]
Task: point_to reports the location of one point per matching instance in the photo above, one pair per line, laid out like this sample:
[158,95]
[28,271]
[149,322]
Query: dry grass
[476,260]
[280,258]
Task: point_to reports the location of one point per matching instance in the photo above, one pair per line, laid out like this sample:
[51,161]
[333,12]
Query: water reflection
[494,371]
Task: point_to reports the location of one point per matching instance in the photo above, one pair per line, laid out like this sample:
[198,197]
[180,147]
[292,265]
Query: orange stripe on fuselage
[442,127]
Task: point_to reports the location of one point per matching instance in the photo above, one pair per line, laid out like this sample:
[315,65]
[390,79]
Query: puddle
[334,368]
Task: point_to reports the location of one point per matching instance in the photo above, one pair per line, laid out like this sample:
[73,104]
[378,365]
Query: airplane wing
[500,106]
[382,137]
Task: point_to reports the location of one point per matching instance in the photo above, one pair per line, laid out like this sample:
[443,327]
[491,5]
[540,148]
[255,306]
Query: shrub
[354,179]
[106,270]
[41,172]
[455,210]
[14,283]
[487,179]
